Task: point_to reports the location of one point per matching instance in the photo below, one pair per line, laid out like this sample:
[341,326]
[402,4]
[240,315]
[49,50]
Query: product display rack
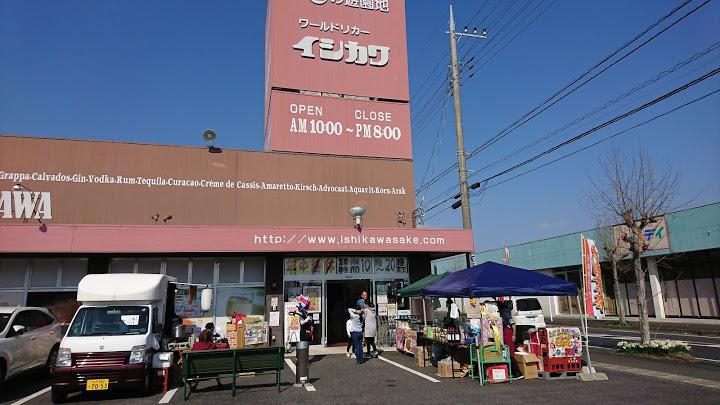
[488,355]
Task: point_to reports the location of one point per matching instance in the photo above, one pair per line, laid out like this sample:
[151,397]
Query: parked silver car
[29,338]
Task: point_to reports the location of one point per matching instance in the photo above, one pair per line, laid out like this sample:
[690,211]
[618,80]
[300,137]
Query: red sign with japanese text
[306,123]
[354,47]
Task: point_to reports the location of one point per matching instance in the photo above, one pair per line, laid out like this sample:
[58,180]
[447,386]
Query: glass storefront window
[229,271]
[122,266]
[149,266]
[11,298]
[44,272]
[73,270]
[203,271]
[12,272]
[254,270]
[178,268]
[241,300]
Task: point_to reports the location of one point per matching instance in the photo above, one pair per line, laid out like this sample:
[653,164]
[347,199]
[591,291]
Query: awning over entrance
[415,289]
[51,238]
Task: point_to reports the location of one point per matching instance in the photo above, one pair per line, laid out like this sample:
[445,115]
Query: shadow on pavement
[21,386]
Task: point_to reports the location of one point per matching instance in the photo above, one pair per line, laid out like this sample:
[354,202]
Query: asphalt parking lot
[337,379]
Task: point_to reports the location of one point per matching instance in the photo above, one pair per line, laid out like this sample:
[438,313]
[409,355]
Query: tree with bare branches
[610,252]
[632,191]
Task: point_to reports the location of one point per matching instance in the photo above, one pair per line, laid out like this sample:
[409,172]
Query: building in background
[683,279]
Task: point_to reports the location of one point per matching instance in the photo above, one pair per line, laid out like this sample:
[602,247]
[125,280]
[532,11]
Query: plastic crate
[561,364]
[539,343]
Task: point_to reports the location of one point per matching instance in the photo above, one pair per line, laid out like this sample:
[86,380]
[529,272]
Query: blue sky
[161,72]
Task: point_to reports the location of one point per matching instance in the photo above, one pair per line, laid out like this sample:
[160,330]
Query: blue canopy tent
[492,279]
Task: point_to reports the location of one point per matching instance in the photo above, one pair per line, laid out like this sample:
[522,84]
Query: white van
[527,311]
[113,335]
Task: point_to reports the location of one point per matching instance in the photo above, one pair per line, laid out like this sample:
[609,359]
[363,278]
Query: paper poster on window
[275,318]
[354,265]
[382,309]
[130,320]
[330,265]
[292,323]
[389,265]
[313,294]
[296,266]
[187,302]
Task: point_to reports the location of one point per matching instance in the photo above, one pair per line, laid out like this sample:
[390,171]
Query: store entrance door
[342,295]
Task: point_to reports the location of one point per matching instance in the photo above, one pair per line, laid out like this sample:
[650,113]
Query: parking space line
[33,396]
[291,365]
[168,396]
[417,373]
[309,387]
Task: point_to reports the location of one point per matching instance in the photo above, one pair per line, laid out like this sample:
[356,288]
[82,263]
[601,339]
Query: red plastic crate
[539,342]
[562,364]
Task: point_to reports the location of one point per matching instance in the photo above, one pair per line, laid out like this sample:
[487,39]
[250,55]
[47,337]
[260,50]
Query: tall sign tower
[336,78]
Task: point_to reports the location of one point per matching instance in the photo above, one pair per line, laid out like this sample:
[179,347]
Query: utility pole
[462,170]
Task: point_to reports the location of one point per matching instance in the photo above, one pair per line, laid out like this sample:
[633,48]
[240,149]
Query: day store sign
[25,205]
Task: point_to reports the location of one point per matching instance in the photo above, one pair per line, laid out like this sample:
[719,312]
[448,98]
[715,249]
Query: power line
[440,93]
[436,148]
[608,137]
[486,187]
[515,154]
[519,32]
[525,118]
[600,126]
[443,58]
[612,121]
[490,24]
[535,114]
[607,104]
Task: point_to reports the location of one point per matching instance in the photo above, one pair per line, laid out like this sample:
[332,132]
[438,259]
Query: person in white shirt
[356,332]
[348,329]
[453,314]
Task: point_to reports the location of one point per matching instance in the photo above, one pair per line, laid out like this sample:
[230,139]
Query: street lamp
[357,213]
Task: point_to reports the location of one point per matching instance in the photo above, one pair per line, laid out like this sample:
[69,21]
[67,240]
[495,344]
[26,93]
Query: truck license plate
[97,385]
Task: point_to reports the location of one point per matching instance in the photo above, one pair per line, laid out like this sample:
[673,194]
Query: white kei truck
[114,334]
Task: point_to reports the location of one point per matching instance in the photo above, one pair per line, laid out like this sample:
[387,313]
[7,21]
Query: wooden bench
[211,364]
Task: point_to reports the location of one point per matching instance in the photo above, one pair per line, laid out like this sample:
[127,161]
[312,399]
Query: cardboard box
[528,364]
[235,335]
[422,356]
[445,370]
